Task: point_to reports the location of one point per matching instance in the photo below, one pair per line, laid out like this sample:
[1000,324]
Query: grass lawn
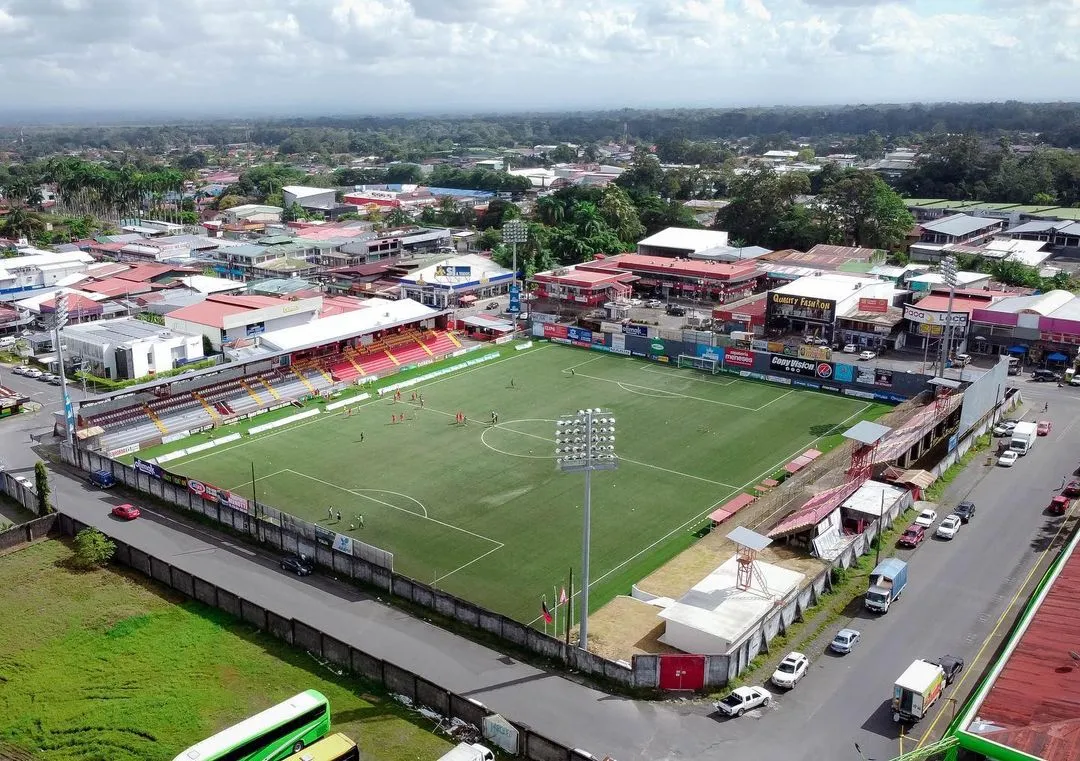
[481,511]
[101,665]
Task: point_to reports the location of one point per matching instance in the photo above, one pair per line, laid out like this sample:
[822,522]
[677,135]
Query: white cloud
[351,56]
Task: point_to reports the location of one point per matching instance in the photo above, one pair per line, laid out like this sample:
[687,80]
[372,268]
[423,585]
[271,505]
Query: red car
[913,536]
[1072,489]
[126,512]
[1059,505]
[1043,429]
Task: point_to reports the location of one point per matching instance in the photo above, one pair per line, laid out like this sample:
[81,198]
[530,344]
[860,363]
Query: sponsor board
[844,373]
[343,543]
[555,331]
[882,377]
[858,394]
[198,488]
[738,357]
[759,345]
[888,396]
[148,468]
[546,319]
[599,339]
[610,327]
[325,536]
[928,317]
[827,387]
[801,306]
[778,379]
[174,479]
[618,343]
[817,353]
[657,346]
[579,334]
[806,384]
[129,449]
[873,305]
[642,355]
[864,375]
[797,366]
[636,330]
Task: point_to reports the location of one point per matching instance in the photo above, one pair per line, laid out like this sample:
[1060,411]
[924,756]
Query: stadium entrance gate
[682,672]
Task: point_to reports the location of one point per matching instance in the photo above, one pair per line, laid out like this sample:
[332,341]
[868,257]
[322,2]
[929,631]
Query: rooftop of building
[960,224]
[939,302]
[371,314]
[827,285]
[679,267]
[213,310]
[122,331]
[457,271]
[686,239]
[1030,702]
[1045,304]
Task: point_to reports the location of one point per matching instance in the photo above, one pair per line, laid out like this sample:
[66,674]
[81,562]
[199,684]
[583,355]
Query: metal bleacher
[145,416]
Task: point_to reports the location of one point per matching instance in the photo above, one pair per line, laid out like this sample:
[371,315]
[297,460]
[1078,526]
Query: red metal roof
[639,263]
[816,509]
[1035,698]
[936,302]
[141,273]
[585,278]
[214,309]
[115,286]
[754,306]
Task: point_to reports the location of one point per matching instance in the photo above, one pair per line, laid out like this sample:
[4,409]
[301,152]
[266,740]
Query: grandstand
[150,414]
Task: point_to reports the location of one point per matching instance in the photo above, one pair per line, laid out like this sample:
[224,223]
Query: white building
[252,213]
[41,270]
[681,242]
[227,318]
[129,348]
[309,198]
[456,281]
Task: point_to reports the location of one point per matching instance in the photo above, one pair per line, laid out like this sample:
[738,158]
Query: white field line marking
[466,565]
[692,379]
[792,391]
[705,512]
[400,509]
[268,475]
[376,400]
[674,395]
[628,388]
[627,459]
[582,364]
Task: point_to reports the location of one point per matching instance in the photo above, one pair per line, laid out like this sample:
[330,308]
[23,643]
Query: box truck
[917,689]
[887,582]
[1024,436]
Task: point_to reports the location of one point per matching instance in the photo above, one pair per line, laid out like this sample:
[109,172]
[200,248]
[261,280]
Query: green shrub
[92,548]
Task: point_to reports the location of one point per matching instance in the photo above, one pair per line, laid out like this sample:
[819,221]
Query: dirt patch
[626,627]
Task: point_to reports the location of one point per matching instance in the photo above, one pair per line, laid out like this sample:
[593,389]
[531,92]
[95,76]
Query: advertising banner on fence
[148,468]
[844,373]
[798,366]
[864,375]
[636,330]
[579,334]
[325,536]
[618,343]
[343,543]
[738,357]
[555,331]
[882,377]
[223,497]
[818,353]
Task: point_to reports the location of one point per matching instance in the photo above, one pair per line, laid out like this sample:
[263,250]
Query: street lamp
[948,273]
[514,231]
[585,442]
[59,323]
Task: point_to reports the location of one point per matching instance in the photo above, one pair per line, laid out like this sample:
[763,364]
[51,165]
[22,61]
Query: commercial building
[928,317]
[455,281]
[1059,235]
[836,308]
[312,199]
[252,213]
[225,318]
[29,273]
[681,241]
[950,231]
[1042,329]
[129,348]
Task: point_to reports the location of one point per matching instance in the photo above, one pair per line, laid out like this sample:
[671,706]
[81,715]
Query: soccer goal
[705,364]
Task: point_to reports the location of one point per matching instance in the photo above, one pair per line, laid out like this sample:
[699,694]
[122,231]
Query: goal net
[705,364]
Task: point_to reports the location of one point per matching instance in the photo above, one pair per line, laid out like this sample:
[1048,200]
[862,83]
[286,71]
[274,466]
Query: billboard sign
[928,317]
[739,357]
[148,468]
[798,366]
[515,299]
[873,305]
[802,307]
[555,331]
[636,330]
[579,334]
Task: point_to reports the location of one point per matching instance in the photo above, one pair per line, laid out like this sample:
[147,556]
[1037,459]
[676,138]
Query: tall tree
[867,212]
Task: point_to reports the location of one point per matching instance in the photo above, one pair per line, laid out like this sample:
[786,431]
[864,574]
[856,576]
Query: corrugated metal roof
[819,506]
[959,224]
[1035,699]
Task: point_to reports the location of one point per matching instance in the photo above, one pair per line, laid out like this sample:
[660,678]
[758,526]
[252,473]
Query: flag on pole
[562,597]
[545,612]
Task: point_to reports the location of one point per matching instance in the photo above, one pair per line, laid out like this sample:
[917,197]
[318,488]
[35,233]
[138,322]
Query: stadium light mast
[514,232]
[948,274]
[585,442]
[59,323]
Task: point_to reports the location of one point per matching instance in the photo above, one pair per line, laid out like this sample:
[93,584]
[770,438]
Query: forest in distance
[405,138]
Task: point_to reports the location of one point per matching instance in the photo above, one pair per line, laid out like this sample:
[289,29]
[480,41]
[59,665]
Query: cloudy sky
[235,57]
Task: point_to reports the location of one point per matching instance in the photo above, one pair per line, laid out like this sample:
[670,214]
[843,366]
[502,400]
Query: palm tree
[20,222]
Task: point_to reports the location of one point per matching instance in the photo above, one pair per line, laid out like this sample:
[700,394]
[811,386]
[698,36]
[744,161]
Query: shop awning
[1057,356]
[467,299]
[1017,350]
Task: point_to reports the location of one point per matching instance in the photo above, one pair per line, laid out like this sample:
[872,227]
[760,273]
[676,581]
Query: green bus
[271,735]
[337,747]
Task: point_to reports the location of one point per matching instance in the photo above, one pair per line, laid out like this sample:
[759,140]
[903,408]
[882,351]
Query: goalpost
[705,364]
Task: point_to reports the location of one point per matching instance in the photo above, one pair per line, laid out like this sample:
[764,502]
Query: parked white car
[851,349]
[866,355]
[791,670]
[743,699]
[926,518]
[948,527]
[33,372]
[1004,428]
[1008,458]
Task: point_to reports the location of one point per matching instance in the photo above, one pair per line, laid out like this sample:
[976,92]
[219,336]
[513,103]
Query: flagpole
[555,597]
[543,607]
[570,608]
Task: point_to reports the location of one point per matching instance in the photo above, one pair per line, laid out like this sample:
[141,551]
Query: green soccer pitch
[481,511]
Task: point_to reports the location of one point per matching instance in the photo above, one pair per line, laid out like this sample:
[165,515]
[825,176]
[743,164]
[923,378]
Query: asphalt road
[956,593]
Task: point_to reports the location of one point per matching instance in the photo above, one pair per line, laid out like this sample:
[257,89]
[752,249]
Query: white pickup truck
[743,699]
[468,752]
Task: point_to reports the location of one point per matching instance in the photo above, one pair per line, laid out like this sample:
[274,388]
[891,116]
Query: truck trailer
[887,582]
[1024,436]
[917,689]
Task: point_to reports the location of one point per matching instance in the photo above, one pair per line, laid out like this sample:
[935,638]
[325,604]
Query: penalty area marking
[484,441]
[654,371]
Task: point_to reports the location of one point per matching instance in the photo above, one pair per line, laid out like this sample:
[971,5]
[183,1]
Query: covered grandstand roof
[815,509]
[376,314]
[903,438]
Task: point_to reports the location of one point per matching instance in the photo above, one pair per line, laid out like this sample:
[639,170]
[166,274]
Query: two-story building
[128,348]
[950,231]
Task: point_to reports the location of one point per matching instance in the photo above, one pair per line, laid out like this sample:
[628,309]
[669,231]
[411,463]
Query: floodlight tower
[514,232]
[585,442]
[58,326]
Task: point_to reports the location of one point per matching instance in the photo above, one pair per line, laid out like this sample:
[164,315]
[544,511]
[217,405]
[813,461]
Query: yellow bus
[335,747]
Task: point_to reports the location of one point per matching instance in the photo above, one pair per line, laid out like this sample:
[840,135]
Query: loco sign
[797,366]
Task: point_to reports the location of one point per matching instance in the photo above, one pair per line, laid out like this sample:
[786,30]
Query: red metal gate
[682,672]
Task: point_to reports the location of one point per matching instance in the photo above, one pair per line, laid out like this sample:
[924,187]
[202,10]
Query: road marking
[993,632]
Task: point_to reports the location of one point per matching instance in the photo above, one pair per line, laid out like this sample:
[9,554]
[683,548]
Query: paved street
[956,594]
